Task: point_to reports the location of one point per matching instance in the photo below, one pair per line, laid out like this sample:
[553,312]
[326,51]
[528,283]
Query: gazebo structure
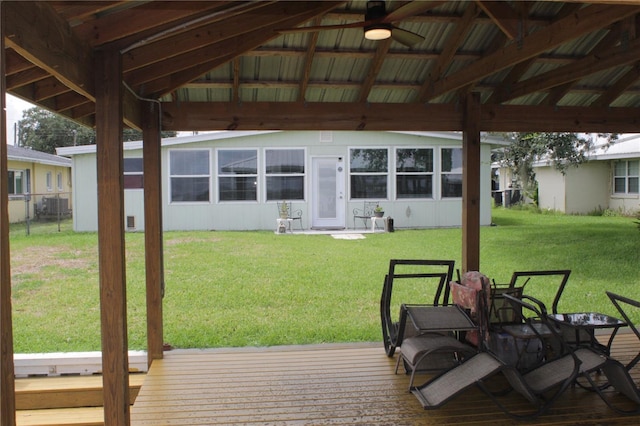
[468,66]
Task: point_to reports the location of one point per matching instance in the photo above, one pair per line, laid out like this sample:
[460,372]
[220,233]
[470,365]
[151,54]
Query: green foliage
[45,131]
[258,288]
[562,150]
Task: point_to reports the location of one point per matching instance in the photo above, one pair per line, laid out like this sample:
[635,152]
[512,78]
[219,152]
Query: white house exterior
[233,180]
[609,180]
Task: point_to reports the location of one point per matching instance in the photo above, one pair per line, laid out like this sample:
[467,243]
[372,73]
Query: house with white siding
[39,184]
[233,180]
[608,180]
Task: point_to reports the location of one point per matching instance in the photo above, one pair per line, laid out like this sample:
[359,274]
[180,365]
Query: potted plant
[378,211]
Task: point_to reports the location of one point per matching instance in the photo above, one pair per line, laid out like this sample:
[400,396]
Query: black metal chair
[620,301]
[392,335]
[541,386]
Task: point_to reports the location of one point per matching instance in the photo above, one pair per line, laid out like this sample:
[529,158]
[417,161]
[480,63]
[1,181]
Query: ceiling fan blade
[411,9]
[405,37]
[315,28]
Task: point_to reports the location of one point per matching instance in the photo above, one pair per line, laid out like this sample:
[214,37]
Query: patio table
[590,322]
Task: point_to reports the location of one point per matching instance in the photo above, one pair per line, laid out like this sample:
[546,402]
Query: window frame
[398,174]
[386,174]
[171,176]
[12,190]
[442,173]
[626,177]
[133,173]
[49,181]
[268,175]
[221,176]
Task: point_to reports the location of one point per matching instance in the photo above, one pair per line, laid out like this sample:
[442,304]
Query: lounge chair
[620,302]
[392,333]
[554,376]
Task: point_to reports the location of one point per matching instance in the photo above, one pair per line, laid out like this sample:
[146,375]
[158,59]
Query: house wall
[551,189]
[588,187]
[260,215]
[582,190]
[38,189]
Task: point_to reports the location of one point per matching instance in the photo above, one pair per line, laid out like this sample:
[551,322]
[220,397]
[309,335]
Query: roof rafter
[568,28]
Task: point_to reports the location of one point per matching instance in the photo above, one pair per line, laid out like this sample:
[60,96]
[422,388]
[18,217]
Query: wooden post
[151,149]
[7,374]
[113,300]
[471,184]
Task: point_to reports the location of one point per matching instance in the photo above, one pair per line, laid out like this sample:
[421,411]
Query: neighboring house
[39,184]
[233,180]
[609,180]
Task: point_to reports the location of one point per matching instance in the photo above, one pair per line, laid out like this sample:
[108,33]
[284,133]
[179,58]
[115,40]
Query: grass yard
[259,288]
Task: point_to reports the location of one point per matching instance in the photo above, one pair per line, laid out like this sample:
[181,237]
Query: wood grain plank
[331,384]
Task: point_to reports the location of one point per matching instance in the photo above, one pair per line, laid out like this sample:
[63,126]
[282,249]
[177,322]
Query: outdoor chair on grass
[541,386]
[286,212]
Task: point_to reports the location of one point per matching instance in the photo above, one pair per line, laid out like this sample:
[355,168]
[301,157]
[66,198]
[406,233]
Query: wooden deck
[330,384]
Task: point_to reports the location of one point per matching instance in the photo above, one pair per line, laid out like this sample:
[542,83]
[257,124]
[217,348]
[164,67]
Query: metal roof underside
[538,65]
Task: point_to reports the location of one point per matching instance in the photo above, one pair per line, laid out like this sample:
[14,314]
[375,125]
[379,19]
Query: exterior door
[327,193]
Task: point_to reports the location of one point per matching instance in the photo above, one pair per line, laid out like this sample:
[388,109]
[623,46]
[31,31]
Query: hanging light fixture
[377,31]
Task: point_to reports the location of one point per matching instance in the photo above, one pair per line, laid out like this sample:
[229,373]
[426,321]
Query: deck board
[330,384]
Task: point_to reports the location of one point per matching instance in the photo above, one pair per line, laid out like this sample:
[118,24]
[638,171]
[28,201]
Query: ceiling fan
[377,22]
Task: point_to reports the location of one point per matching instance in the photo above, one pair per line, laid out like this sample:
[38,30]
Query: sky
[15,107]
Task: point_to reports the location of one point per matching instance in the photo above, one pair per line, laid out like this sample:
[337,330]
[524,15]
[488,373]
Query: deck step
[86,416]
[66,391]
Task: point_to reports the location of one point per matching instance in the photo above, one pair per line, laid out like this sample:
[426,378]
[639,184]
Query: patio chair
[286,211]
[524,280]
[619,378]
[554,376]
[429,270]
[618,301]
[364,214]
[448,350]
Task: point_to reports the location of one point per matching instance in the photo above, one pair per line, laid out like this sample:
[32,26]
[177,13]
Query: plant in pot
[378,211]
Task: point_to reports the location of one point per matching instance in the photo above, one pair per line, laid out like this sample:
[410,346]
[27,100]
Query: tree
[563,150]
[45,131]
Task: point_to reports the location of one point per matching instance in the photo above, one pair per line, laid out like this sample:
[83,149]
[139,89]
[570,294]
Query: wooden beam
[374,69]
[182,69]
[113,300]
[504,17]
[516,118]
[471,178]
[203,116]
[308,116]
[36,32]
[581,22]
[154,264]
[599,60]
[7,381]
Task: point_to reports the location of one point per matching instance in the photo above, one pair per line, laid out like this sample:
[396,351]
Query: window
[238,175]
[16,182]
[59,181]
[49,182]
[284,170]
[133,173]
[189,175]
[414,173]
[451,172]
[626,176]
[369,169]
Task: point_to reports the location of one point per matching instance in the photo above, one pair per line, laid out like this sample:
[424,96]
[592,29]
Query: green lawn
[259,288]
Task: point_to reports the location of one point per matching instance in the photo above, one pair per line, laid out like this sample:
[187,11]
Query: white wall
[551,189]
[261,215]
